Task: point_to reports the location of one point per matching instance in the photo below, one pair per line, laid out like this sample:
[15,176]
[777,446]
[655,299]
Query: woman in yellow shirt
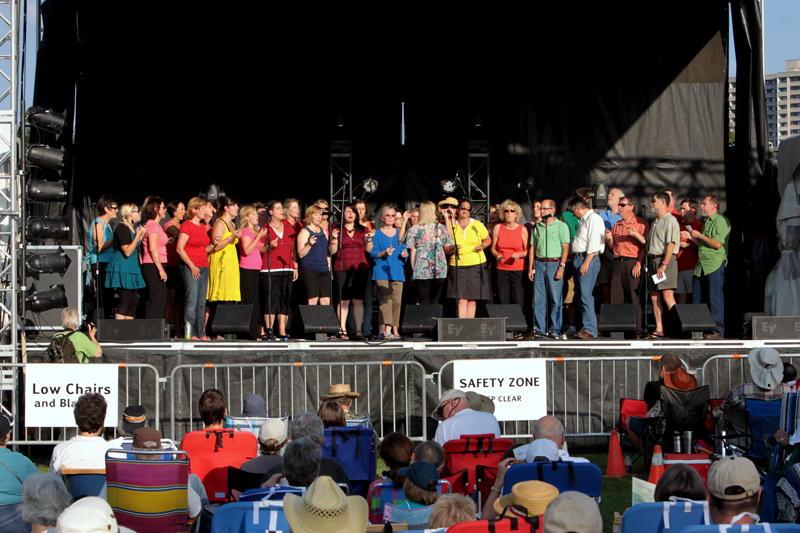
[468,275]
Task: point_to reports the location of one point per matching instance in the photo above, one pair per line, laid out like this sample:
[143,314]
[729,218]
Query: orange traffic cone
[615,467]
[657,464]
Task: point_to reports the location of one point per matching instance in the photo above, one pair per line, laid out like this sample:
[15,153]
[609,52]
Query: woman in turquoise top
[124,273]
[100,237]
[390,256]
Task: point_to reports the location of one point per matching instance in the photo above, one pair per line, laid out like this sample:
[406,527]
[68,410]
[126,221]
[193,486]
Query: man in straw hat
[527,498]
[324,508]
[343,395]
[456,417]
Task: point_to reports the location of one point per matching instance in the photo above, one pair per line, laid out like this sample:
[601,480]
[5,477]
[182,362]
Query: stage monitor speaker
[421,318]
[233,319]
[776,327]
[319,320]
[71,280]
[471,329]
[695,319]
[144,329]
[515,320]
[617,319]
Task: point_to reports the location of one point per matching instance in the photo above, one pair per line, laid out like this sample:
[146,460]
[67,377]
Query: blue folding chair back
[273,493]
[746,528]
[83,482]
[565,475]
[354,449]
[763,419]
[251,424]
[250,517]
[384,492]
[660,517]
[789,412]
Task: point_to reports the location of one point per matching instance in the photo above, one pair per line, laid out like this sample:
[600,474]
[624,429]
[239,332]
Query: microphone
[545,217]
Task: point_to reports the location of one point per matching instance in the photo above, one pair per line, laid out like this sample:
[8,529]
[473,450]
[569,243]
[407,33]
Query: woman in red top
[278,267]
[194,245]
[509,248]
[154,258]
[176,210]
[350,268]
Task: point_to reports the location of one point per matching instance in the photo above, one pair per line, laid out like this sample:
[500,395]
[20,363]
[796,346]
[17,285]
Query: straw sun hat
[340,390]
[325,509]
[534,496]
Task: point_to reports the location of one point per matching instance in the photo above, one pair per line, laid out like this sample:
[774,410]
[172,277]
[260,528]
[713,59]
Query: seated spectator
[344,396]
[551,429]
[44,498]
[255,406]
[307,424]
[430,451]
[213,409]
[15,468]
[573,512]
[87,449]
[457,418]
[331,414]
[451,509]
[89,515]
[301,462]
[84,345]
[534,496]
[419,486]
[789,376]
[734,491]
[681,481]
[542,450]
[271,438]
[396,451]
[766,373]
[324,508]
[133,418]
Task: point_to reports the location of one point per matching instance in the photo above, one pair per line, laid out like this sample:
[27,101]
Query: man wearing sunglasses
[547,257]
[627,239]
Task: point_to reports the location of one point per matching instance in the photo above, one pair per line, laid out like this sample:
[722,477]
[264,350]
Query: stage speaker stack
[617,319]
[695,319]
[515,320]
[233,320]
[421,319]
[471,330]
[143,329]
[319,320]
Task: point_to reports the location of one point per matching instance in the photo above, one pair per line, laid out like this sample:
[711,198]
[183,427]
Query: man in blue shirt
[14,470]
[610,216]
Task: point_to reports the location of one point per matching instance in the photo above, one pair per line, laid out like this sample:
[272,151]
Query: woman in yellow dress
[223,261]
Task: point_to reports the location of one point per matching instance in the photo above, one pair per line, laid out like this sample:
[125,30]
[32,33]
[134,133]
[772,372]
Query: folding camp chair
[564,475]
[250,517]
[383,492]
[82,482]
[747,528]
[661,517]
[763,420]
[478,456]
[211,452]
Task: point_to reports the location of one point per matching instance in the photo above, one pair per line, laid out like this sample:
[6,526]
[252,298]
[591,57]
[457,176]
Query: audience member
[87,449]
[44,498]
[301,464]
[573,512]
[396,451]
[331,414]
[550,428]
[133,418]
[15,468]
[419,486]
[89,515]
[342,393]
[734,491]
[430,451]
[324,508]
[451,509]
[789,376]
[681,481]
[457,418]
[255,406]
[271,438]
[533,496]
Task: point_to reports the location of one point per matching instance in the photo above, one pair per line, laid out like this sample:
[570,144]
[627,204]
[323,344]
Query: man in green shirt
[709,274]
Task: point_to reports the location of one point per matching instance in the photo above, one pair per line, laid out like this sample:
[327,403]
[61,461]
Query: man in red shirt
[627,239]
[687,256]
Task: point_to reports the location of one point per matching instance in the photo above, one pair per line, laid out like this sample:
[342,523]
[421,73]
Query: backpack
[60,350]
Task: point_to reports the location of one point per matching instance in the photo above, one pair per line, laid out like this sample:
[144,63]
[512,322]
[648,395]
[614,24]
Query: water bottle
[687,441]
[676,443]
[187,330]
[628,464]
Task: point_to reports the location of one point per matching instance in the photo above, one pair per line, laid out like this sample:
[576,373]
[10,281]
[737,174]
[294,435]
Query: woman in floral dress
[429,242]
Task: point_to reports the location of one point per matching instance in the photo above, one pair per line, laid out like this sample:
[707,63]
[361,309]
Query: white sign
[51,391]
[518,387]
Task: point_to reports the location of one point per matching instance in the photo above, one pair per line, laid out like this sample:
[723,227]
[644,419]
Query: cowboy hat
[325,508]
[340,390]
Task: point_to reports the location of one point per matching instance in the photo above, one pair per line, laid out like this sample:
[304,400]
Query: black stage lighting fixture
[46,191]
[448,186]
[599,196]
[43,156]
[53,263]
[214,192]
[40,301]
[46,119]
[47,228]
[370,185]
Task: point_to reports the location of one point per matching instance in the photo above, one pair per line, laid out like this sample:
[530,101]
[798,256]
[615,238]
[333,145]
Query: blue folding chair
[82,482]
[763,420]
[354,449]
[272,493]
[747,528]
[250,517]
[565,475]
[660,517]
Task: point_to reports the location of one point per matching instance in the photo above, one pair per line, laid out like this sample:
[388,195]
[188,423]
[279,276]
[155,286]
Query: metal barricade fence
[583,393]
[136,386]
[392,392]
[723,372]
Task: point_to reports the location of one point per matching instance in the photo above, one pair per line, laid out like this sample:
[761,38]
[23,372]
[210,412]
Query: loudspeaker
[515,320]
[776,327]
[143,329]
[421,318]
[616,319]
[233,319]
[472,329]
[695,318]
[71,280]
[321,320]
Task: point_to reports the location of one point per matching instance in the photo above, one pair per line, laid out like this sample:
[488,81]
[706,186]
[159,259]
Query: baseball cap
[573,511]
[733,478]
[147,439]
[273,428]
[133,418]
[422,474]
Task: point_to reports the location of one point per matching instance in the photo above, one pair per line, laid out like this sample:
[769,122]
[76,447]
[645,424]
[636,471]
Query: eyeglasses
[449,206]
[547,208]
[113,207]
[134,210]
[623,205]
[506,210]
[465,208]
[326,213]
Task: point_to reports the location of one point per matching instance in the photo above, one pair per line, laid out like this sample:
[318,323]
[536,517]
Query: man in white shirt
[456,418]
[86,450]
[549,441]
[588,245]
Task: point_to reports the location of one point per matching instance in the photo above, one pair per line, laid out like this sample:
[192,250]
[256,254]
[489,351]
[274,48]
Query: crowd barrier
[723,372]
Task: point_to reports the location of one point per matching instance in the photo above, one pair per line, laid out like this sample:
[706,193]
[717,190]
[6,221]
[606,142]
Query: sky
[781,38]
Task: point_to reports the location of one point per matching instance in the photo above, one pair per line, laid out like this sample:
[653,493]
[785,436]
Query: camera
[86,327]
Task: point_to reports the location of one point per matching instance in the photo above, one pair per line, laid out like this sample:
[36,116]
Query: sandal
[655,335]
[343,336]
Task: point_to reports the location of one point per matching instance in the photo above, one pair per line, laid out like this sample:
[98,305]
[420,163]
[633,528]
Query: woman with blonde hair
[389,255]
[428,242]
[509,248]
[250,260]
[124,272]
[194,245]
[315,263]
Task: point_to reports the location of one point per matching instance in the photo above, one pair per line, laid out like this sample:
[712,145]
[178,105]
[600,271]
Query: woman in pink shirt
[250,260]
[154,258]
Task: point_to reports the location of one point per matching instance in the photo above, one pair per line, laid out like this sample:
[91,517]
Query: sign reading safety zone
[518,387]
[51,391]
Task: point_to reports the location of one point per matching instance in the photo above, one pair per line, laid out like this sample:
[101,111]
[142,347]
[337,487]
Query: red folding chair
[211,452]
[629,407]
[478,457]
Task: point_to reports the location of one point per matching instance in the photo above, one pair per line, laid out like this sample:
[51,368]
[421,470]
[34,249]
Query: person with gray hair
[44,498]
[549,441]
[85,345]
[301,462]
[431,452]
[307,425]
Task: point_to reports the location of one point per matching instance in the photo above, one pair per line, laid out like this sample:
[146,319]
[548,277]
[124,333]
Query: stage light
[47,228]
[599,196]
[40,301]
[448,186]
[370,185]
[46,119]
[43,156]
[57,262]
[214,192]
[46,191]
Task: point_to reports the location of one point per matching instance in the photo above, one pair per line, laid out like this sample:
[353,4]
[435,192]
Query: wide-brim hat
[534,496]
[479,402]
[340,390]
[452,394]
[766,368]
[448,201]
[324,508]
[680,380]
